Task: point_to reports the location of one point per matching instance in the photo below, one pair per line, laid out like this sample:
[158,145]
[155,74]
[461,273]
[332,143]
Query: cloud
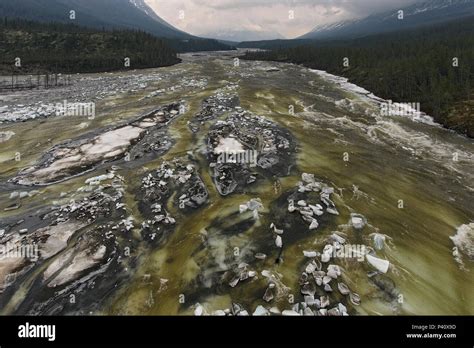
[289,18]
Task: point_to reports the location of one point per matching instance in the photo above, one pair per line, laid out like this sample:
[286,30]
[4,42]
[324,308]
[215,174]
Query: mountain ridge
[109,14]
[416,15]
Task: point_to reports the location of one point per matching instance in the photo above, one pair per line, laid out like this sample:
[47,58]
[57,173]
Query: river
[412,182]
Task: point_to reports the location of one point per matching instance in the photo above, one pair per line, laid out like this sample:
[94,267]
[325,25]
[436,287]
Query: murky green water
[401,175]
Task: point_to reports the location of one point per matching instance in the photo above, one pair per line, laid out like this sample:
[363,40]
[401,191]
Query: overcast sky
[211,16]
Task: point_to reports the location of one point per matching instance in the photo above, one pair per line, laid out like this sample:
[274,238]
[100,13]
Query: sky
[264,18]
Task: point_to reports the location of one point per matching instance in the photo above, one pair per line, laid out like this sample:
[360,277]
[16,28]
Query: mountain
[243,35]
[416,15]
[143,6]
[117,14]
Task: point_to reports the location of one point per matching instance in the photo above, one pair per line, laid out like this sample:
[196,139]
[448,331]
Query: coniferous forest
[431,66]
[67,48]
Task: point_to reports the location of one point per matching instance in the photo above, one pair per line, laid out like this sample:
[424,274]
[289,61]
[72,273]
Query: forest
[198,45]
[67,48]
[431,66]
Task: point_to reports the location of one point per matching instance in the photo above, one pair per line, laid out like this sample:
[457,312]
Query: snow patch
[229,144]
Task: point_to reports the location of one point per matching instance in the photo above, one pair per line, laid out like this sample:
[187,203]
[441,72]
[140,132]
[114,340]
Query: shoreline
[346,84]
[345,81]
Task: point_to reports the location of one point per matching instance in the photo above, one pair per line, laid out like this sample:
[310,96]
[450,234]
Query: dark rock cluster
[275,150]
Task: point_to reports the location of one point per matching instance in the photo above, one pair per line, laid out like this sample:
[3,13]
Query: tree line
[67,48]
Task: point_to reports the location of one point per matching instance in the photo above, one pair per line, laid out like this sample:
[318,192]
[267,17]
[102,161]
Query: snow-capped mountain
[130,14]
[143,6]
[416,15]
